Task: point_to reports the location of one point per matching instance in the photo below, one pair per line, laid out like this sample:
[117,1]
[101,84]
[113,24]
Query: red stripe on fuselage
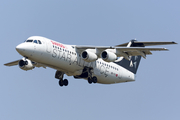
[58,44]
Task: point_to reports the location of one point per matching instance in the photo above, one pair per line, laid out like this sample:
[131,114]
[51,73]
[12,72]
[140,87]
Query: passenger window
[35,41]
[39,42]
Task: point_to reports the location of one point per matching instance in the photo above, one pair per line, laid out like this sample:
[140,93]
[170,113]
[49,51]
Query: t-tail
[133,63]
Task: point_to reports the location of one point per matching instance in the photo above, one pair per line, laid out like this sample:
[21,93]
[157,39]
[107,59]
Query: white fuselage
[67,59]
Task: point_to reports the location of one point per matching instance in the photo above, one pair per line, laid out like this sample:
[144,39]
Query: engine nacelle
[89,56]
[26,64]
[108,56]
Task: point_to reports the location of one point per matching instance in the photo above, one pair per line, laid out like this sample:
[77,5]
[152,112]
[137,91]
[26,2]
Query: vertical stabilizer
[133,63]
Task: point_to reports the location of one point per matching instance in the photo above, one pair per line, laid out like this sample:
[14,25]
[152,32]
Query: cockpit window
[35,41]
[29,40]
[39,42]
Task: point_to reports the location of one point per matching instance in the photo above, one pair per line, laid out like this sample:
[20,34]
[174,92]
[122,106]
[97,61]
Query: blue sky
[35,94]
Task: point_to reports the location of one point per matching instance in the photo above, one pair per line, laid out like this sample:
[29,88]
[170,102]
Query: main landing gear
[59,75]
[63,82]
[91,78]
[87,74]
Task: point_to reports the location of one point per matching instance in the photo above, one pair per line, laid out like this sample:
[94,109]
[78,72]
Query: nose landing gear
[59,75]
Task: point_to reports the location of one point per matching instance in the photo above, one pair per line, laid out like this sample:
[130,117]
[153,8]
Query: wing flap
[140,49]
[135,51]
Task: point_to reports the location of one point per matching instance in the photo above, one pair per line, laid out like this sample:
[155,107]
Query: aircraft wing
[122,51]
[17,62]
[82,48]
[12,63]
[146,43]
[142,44]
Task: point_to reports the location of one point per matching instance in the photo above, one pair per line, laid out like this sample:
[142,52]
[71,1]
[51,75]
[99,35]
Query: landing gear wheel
[65,82]
[89,80]
[94,79]
[61,83]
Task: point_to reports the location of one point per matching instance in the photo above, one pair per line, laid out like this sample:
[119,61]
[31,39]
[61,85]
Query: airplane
[96,64]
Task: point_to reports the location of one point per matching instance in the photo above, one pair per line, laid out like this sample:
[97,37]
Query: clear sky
[36,95]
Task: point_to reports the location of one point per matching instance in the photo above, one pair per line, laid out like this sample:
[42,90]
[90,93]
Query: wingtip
[165,49]
[174,42]
[5,65]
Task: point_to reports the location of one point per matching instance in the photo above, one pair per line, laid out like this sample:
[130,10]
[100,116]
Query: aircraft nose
[20,48]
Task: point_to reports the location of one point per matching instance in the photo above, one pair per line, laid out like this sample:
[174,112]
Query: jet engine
[108,56]
[26,64]
[89,56]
